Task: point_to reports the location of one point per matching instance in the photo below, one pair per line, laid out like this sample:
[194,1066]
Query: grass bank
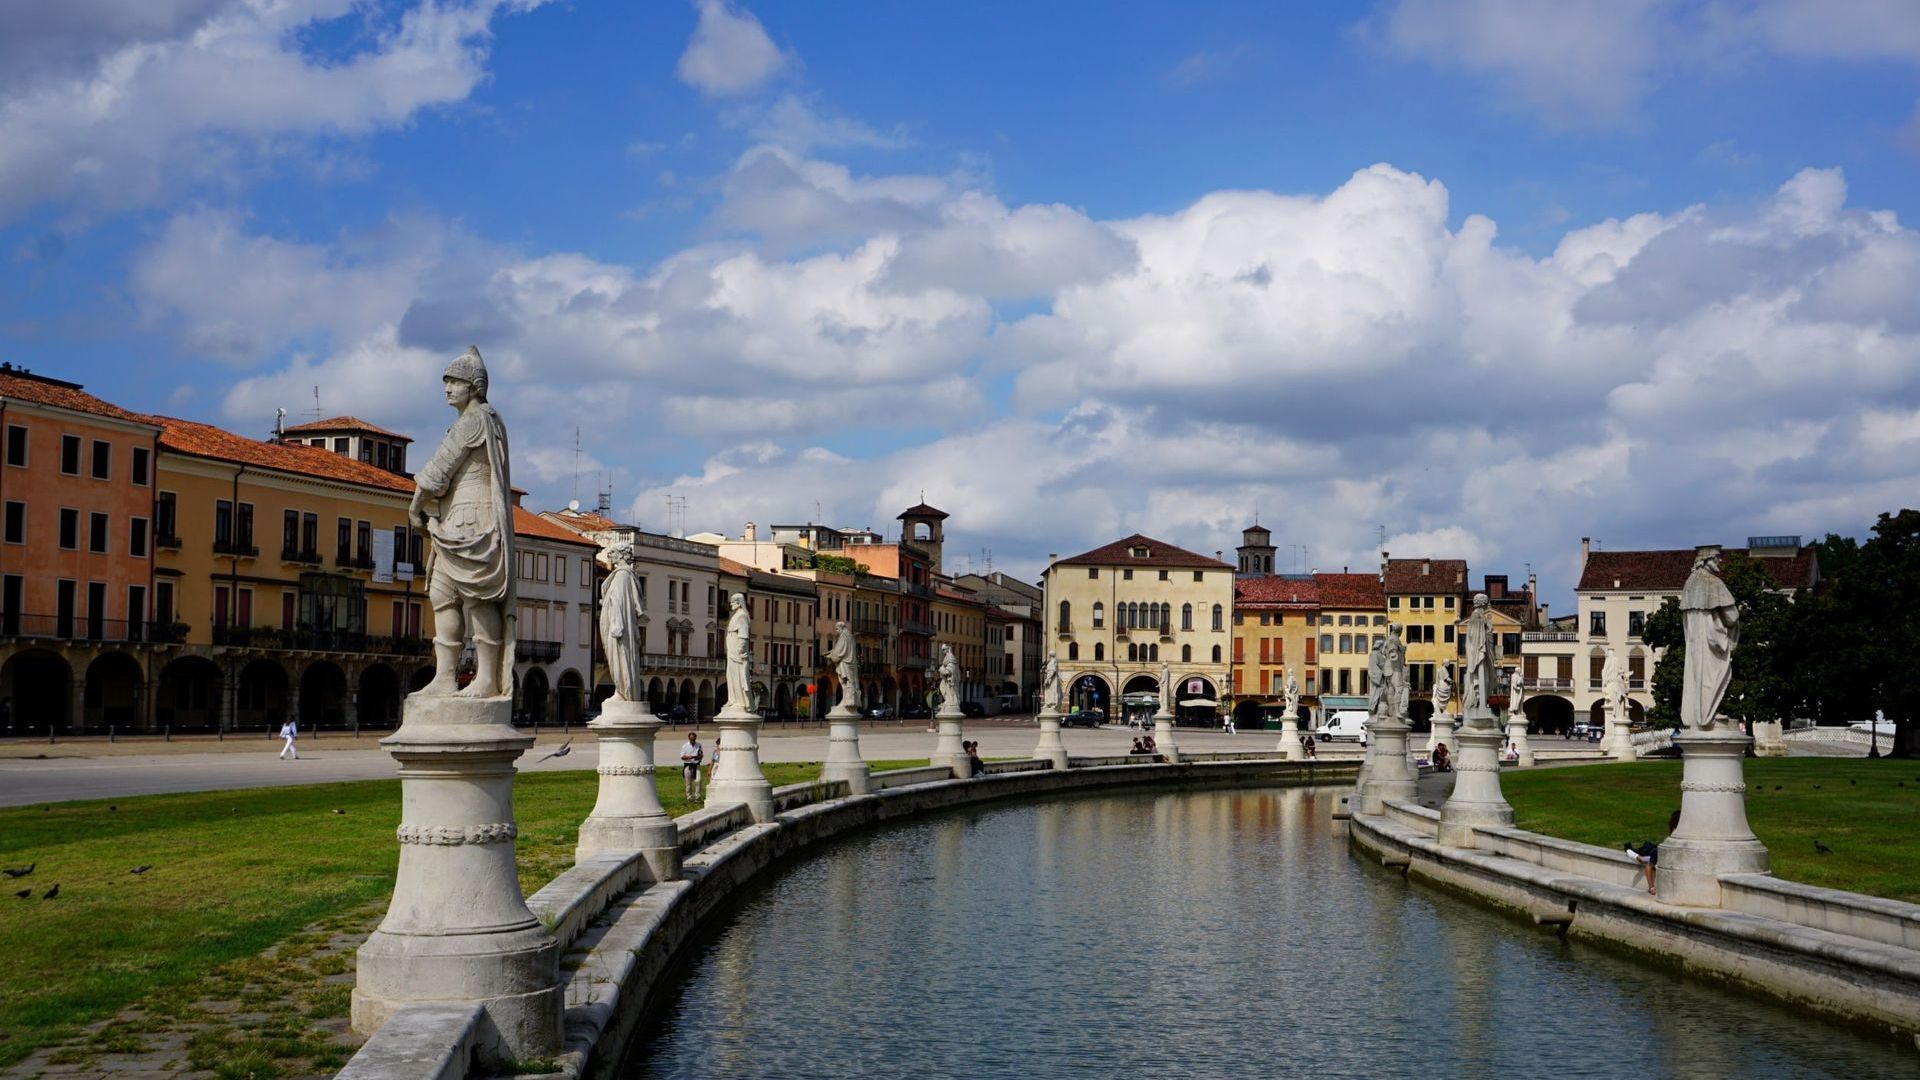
[231,873]
[1864,810]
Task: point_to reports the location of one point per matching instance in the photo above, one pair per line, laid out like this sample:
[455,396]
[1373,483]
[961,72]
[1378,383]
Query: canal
[1208,934]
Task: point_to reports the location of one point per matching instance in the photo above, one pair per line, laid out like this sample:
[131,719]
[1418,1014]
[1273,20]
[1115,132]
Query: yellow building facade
[1427,597]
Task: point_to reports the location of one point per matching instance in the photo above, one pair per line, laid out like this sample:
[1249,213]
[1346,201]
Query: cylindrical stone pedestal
[946,746]
[1163,740]
[1619,741]
[1050,746]
[458,929]
[1769,739]
[1389,774]
[736,771]
[1442,734]
[1475,799]
[1290,747]
[843,751]
[1713,837]
[1517,735]
[628,816]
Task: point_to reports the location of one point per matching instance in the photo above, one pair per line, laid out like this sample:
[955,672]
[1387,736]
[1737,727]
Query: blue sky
[1490,275]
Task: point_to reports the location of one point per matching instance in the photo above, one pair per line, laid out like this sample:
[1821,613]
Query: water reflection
[1212,934]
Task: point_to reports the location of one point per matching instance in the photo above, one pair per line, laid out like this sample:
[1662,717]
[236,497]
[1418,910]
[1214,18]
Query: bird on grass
[1822,848]
[339,811]
[1816,787]
[565,749]
[20,871]
[51,893]
[24,893]
[1776,787]
[141,869]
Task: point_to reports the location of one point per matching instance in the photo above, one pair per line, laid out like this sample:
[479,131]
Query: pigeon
[1853,783]
[1776,787]
[565,749]
[1822,848]
[24,893]
[1816,787]
[141,869]
[51,893]
[113,809]
[339,811]
[20,871]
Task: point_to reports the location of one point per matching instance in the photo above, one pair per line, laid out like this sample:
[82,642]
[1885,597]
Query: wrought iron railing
[353,641]
[537,652]
[19,624]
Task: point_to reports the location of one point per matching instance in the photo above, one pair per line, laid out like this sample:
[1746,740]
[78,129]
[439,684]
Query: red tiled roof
[1277,592]
[1667,571]
[920,511]
[342,423]
[18,385]
[1160,554]
[1442,576]
[528,523]
[195,439]
[581,520]
[737,569]
[1351,591]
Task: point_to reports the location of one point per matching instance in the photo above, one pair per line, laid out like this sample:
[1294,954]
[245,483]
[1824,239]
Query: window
[1093,572]
[1597,624]
[1186,616]
[340,444]
[1346,643]
[243,527]
[96,610]
[290,533]
[137,537]
[1133,652]
[1596,667]
[65,600]
[16,445]
[16,522]
[1449,633]
[1326,620]
[1099,616]
[222,525]
[141,456]
[69,529]
[560,570]
[136,612]
[1127,574]
[1346,620]
[1219,618]
[102,459]
[70,455]
[1186,654]
[1099,650]
[1379,620]
[165,519]
[1393,603]
[163,602]
[1636,622]
[343,540]
[1073,650]
[1216,654]
[363,542]
[1163,575]
[310,535]
[1449,603]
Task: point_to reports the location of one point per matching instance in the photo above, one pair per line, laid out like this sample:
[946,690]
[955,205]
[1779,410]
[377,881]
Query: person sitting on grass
[1647,853]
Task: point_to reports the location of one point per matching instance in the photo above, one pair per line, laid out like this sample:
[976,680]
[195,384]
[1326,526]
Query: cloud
[730,53]
[795,124]
[1207,65]
[1908,135]
[127,103]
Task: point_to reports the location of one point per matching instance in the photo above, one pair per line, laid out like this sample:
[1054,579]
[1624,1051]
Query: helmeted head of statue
[470,369]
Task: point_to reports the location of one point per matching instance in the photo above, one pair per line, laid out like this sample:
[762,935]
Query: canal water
[1205,934]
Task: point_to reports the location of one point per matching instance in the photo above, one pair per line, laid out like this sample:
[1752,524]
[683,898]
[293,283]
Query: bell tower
[1256,552]
[922,527]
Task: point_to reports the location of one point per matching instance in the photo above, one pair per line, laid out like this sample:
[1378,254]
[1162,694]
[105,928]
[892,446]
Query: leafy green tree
[1663,631]
[839,564]
[1879,600]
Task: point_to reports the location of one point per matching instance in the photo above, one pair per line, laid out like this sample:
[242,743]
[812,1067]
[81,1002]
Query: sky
[1472,278]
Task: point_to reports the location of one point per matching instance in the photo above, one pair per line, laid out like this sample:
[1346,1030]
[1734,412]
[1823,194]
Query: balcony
[658,662]
[916,590]
[784,671]
[238,548]
[871,626]
[334,641]
[536,652]
[1549,635]
[300,555]
[915,663]
[1537,683]
[1064,629]
[915,626]
[14,625]
[166,540]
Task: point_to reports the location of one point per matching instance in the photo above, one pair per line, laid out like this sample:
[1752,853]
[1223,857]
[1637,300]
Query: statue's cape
[1704,591]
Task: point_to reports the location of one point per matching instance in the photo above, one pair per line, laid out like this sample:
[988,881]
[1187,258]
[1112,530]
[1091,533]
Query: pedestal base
[947,750]
[1619,741]
[1442,735]
[736,769]
[1713,837]
[458,929]
[1164,743]
[1390,776]
[1290,747]
[1050,746]
[1769,739]
[1476,799]
[628,816]
[1517,736]
[843,751]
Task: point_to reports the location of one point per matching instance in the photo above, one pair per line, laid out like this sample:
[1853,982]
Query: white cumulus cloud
[730,52]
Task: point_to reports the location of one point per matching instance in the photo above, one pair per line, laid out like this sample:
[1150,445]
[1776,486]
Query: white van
[1342,724]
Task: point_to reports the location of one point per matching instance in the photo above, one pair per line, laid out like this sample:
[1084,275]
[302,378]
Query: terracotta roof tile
[582,520]
[1160,554]
[1667,571]
[737,569]
[528,523]
[1300,592]
[20,386]
[1442,576]
[343,423]
[195,439]
[922,510]
[1351,592]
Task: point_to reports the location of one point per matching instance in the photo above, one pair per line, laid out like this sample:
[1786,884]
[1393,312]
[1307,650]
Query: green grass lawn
[1865,810]
[232,873]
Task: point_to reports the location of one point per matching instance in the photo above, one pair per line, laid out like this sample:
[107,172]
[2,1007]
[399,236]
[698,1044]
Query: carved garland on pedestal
[456,835]
[626,770]
[1696,785]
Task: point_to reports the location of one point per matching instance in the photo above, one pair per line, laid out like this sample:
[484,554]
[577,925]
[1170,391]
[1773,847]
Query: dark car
[1083,718]
[972,708]
[880,712]
[672,714]
[915,711]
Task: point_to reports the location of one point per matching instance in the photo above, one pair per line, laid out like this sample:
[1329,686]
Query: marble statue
[739,656]
[1482,659]
[463,499]
[1387,676]
[1166,690]
[845,658]
[620,613]
[1442,691]
[1050,685]
[1516,693]
[950,675]
[1293,694]
[1710,620]
[1613,685]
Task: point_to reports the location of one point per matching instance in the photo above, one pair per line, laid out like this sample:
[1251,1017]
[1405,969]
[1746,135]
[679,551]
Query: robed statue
[739,656]
[1710,619]
[1482,660]
[1166,690]
[463,499]
[1613,686]
[621,611]
[1442,690]
[1293,694]
[1050,685]
[949,670]
[1516,693]
[1387,676]
[845,658]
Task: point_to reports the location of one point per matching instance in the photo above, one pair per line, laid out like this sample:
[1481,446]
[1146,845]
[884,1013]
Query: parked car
[915,710]
[672,714]
[1342,724]
[1084,718]
[972,708]
[880,712]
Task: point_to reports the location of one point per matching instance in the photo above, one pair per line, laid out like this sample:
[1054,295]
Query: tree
[1663,631]
[1765,686]
[1878,597]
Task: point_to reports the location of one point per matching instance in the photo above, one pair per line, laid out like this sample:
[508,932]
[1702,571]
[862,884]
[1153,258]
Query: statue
[739,656]
[1387,676]
[845,658]
[950,675]
[620,613]
[1482,660]
[1166,690]
[463,499]
[1711,621]
[1050,685]
[1442,692]
[1293,694]
[1516,694]
[1613,684]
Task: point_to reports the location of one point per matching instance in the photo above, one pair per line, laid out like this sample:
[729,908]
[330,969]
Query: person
[1138,746]
[1226,724]
[690,754]
[1441,758]
[1147,741]
[713,762]
[974,765]
[1313,747]
[1513,751]
[289,731]
[1647,853]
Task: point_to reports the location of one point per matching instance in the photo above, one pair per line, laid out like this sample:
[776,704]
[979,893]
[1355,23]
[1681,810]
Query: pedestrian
[691,754]
[1227,725]
[289,731]
[974,765]
[713,762]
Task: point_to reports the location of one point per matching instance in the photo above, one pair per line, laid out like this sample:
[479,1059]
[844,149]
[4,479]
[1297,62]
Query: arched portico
[112,696]
[534,696]
[323,696]
[1196,688]
[570,697]
[260,695]
[379,704]
[656,695]
[187,694]
[1090,691]
[1548,715]
[706,700]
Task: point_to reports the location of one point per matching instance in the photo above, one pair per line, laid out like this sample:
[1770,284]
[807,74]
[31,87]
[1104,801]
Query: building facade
[1275,631]
[1428,598]
[1353,611]
[555,624]
[1021,635]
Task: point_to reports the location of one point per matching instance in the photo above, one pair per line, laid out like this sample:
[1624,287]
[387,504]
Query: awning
[1201,702]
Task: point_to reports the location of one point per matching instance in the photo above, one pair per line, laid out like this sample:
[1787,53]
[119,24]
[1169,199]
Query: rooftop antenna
[317,413]
[676,515]
[1382,531]
[605,504]
[576,463]
[279,422]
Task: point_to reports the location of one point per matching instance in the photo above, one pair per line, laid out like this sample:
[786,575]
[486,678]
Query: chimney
[1216,556]
[747,533]
[1586,548]
[1426,567]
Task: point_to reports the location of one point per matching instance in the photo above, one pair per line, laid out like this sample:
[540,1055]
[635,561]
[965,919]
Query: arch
[1186,654]
[656,695]
[187,694]
[1090,691]
[535,698]
[1186,616]
[872,695]
[1597,715]
[379,701]
[890,691]
[260,700]
[783,701]
[1099,614]
[323,695]
[570,697]
[111,696]
[1249,715]
[706,699]
[1141,684]
[1636,713]
[1182,688]
[1548,715]
[1420,714]
[1099,651]
[420,677]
